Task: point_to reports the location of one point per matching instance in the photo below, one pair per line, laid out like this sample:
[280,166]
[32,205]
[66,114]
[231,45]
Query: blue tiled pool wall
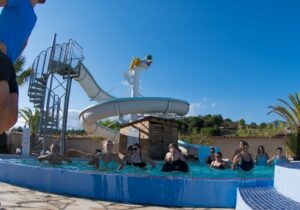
[294,165]
[169,191]
[284,194]
[262,198]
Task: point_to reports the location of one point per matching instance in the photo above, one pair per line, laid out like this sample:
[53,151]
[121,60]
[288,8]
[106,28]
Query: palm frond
[19,64]
[295,102]
[285,114]
[32,119]
[288,111]
[24,76]
[288,105]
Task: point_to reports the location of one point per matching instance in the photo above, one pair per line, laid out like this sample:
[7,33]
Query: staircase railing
[50,85]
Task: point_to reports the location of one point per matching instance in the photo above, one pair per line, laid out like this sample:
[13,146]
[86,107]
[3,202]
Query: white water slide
[110,106]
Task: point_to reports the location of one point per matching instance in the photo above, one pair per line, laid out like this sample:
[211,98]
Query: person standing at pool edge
[17,20]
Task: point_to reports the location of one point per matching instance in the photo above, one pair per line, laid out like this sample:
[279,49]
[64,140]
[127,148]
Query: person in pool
[109,160]
[94,158]
[243,160]
[211,156]
[174,161]
[218,163]
[261,157]
[54,158]
[127,159]
[239,150]
[168,156]
[279,158]
[138,159]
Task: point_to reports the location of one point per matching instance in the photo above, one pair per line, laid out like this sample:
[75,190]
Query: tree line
[216,125]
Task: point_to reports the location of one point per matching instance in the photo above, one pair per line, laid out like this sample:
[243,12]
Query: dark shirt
[209,159]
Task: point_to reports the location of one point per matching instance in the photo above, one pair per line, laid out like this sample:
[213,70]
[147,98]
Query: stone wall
[228,145]
[85,144]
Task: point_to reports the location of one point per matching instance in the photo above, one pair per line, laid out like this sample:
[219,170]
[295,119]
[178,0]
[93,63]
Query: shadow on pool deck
[13,197]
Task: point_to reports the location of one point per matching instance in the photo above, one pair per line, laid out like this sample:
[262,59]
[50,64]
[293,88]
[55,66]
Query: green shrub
[291,144]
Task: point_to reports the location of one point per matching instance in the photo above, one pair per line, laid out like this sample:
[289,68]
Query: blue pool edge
[142,189]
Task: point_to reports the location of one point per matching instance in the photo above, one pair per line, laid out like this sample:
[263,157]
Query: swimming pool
[196,170]
[202,187]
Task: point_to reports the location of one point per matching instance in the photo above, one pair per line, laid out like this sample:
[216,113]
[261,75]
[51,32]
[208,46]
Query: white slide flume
[110,106]
[90,86]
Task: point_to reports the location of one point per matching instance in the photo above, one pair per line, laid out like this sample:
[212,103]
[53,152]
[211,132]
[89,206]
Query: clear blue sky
[224,57]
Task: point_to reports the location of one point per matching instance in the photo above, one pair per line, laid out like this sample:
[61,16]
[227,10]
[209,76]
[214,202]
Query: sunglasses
[134,149]
[217,156]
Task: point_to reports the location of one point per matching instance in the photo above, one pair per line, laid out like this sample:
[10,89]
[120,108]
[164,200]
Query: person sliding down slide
[17,20]
[142,64]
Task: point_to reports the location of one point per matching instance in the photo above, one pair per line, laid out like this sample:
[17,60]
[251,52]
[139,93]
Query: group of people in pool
[106,159]
[243,159]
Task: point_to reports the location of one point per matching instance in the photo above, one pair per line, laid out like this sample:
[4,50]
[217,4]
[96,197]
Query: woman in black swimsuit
[218,163]
[174,161]
[243,160]
[127,157]
[138,159]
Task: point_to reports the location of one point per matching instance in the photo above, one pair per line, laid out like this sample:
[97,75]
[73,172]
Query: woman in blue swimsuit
[279,158]
[109,160]
[261,157]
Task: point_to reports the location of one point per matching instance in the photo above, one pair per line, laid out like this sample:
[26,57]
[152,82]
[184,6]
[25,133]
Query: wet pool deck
[17,198]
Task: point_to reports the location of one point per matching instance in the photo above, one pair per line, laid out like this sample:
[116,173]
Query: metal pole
[45,113]
[65,114]
[57,113]
[135,89]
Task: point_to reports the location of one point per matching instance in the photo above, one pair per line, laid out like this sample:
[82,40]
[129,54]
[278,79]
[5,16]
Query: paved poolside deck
[15,198]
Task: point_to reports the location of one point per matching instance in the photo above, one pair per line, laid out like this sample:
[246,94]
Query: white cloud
[217,103]
[195,108]
[20,122]
[73,120]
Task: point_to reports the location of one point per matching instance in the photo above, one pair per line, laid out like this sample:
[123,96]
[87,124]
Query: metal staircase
[50,86]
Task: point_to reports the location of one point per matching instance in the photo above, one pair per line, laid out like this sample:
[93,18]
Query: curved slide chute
[90,86]
[110,106]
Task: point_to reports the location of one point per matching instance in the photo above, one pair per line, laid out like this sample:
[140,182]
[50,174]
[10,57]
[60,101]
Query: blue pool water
[196,170]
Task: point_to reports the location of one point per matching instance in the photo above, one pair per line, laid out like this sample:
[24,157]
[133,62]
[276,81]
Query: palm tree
[291,113]
[22,75]
[32,120]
